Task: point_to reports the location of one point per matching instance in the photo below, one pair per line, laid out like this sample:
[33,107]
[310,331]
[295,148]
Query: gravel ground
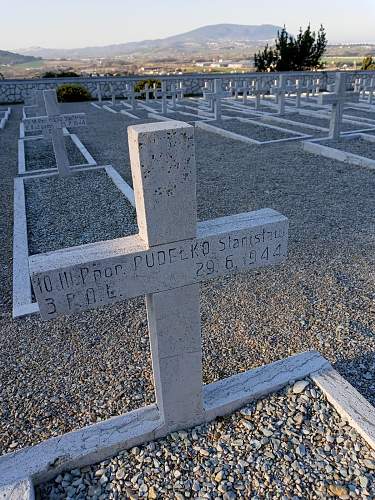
[320,122]
[39,154]
[61,375]
[290,445]
[185,118]
[357,146]
[251,130]
[83,208]
[140,112]
[105,137]
[360,113]
[297,127]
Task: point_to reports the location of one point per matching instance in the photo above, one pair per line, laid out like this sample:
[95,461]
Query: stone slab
[84,277]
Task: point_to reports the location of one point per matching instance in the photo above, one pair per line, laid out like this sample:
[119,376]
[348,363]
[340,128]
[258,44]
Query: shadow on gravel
[360,372]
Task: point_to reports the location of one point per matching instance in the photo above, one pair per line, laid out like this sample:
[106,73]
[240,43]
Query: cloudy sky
[80,23]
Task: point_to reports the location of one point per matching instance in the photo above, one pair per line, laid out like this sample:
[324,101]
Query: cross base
[99,441]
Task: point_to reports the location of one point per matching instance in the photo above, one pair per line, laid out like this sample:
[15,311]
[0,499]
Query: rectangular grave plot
[355,145]
[252,130]
[320,122]
[39,154]
[68,211]
[359,113]
[185,116]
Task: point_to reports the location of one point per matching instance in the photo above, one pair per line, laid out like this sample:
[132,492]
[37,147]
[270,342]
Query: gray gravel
[39,154]
[357,146]
[290,445]
[61,375]
[361,113]
[320,122]
[251,130]
[83,208]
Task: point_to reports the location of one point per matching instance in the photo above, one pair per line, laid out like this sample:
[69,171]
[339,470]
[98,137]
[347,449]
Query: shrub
[368,63]
[73,92]
[60,74]
[300,53]
[139,86]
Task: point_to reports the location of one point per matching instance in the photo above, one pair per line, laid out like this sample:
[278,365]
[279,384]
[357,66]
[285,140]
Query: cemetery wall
[15,91]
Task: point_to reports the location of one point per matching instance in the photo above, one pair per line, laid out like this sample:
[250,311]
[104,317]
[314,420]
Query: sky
[82,23]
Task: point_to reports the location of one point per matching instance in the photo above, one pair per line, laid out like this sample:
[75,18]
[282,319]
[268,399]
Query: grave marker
[338,100]
[99,92]
[51,127]
[166,262]
[279,92]
[113,94]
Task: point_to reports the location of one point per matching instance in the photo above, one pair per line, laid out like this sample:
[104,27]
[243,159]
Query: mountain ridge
[189,41]
[12,58]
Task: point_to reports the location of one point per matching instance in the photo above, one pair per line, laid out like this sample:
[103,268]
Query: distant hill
[11,58]
[189,43]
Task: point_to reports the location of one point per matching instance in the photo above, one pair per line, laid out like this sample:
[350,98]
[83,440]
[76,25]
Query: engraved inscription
[163,267]
[49,123]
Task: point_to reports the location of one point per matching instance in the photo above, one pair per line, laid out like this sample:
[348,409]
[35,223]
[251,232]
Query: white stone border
[130,115]
[314,146]
[4,120]
[23,304]
[104,439]
[347,401]
[205,125]
[30,466]
[90,162]
[22,295]
[122,185]
[107,108]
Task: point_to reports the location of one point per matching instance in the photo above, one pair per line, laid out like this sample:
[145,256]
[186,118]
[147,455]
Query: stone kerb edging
[314,146]
[23,303]
[90,162]
[5,118]
[28,467]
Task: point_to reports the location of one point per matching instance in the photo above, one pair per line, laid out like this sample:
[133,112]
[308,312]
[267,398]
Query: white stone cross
[174,95]
[215,97]
[52,127]
[370,88]
[113,94]
[36,100]
[338,100]
[130,93]
[165,262]
[147,92]
[279,92]
[99,92]
[299,90]
[257,91]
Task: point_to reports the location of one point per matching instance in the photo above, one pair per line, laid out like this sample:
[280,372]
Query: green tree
[368,64]
[290,53]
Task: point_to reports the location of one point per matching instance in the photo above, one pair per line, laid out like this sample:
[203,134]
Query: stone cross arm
[49,123]
[92,275]
[341,98]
